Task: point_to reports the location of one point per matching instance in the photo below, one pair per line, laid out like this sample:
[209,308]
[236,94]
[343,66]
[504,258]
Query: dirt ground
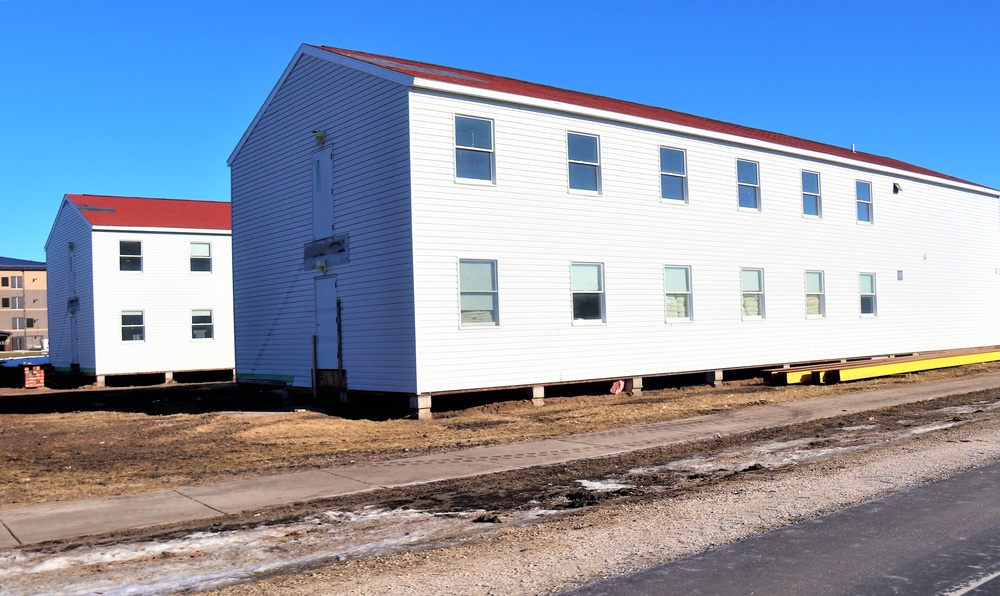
[128,441]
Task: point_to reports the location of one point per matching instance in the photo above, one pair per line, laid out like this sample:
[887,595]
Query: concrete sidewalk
[56,521]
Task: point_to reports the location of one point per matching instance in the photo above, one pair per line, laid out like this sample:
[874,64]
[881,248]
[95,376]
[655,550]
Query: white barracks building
[401,227]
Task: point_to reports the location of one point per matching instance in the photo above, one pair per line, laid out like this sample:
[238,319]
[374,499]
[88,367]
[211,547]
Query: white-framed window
[815,294]
[473,148]
[129,255]
[16,302]
[752,282]
[812,203]
[479,296]
[869,304]
[201,256]
[864,195]
[748,181]
[16,281]
[588,291]
[673,174]
[202,326]
[133,325]
[17,323]
[677,293]
[584,162]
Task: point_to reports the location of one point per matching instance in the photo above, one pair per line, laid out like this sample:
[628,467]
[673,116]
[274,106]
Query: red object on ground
[34,376]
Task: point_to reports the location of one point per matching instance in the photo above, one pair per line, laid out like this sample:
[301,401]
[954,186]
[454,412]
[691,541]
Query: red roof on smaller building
[137,212]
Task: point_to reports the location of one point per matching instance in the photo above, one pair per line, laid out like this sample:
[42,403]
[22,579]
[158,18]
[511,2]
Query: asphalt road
[942,538]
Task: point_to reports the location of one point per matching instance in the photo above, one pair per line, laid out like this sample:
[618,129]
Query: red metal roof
[136,212]
[480,80]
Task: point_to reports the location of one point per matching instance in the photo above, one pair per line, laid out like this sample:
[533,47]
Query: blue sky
[149,98]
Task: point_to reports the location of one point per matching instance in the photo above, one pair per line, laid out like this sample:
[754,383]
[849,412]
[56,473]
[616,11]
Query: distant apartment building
[23,310]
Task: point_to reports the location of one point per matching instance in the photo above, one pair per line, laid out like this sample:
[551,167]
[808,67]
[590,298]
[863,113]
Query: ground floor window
[133,325]
[868,302]
[677,286]
[588,291]
[478,295]
[815,295]
[201,324]
[752,281]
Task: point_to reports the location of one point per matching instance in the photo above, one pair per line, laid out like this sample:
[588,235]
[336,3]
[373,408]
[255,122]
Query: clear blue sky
[149,98]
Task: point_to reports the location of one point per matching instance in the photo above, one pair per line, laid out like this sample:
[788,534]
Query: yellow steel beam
[882,368]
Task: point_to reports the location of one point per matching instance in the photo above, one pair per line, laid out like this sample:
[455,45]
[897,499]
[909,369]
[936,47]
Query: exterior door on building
[326,323]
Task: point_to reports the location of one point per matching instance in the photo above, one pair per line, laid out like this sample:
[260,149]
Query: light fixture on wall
[897,188]
[320,136]
[321,266]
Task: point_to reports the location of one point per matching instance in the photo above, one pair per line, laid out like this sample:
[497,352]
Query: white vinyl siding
[70,275]
[533,227]
[365,120]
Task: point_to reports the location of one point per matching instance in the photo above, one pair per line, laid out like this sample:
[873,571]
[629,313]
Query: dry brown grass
[79,455]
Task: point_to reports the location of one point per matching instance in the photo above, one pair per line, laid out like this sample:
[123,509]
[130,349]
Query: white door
[322,193]
[327,336]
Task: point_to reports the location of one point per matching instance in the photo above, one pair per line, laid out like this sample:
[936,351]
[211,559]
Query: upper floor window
[16,281]
[201,256]
[16,302]
[201,324]
[752,281]
[584,162]
[478,295]
[129,256]
[868,303]
[673,174]
[815,294]
[677,292]
[4,282]
[31,322]
[864,193]
[17,322]
[749,184]
[133,325]
[473,148]
[588,291]
[4,302]
[811,202]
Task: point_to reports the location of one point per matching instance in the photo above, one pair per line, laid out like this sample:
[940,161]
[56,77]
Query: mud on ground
[130,441]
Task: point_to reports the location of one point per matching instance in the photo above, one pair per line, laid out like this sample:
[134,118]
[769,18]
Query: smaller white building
[139,285]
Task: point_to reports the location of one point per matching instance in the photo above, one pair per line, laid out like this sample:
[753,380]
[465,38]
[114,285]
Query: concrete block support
[537,394]
[420,406]
[714,378]
[634,386]
[101,381]
[168,377]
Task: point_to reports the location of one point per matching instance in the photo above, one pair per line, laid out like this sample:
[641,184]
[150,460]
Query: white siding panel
[166,290]
[365,119]
[70,273]
[945,241]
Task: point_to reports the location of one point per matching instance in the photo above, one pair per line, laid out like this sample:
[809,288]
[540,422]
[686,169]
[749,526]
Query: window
[868,305]
[201,324]
[811,203]
[584,162]
[129,256]
[4,282]
[752,281]
[17,322]
[17,302]
[478,295]
[673,174]
[815,296]
[588,291]
[201,256]
[677,292]
[4,302]
[864,192]
[18,343]
[473,148]
[30,323]
[749,184]
[133,327]
[16,281]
